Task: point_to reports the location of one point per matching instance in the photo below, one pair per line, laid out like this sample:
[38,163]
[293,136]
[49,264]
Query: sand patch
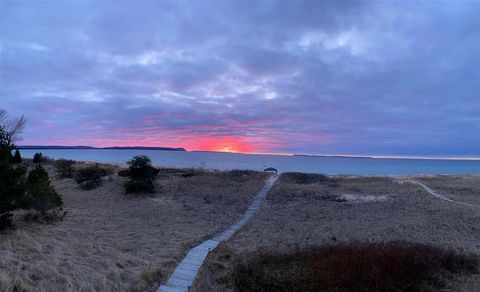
[356,198]
[163,201]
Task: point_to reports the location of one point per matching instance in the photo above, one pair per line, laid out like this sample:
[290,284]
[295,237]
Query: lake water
[228,161]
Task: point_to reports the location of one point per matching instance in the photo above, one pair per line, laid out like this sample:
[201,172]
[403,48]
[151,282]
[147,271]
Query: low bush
[124,173]
[189,172]
[5,220]
[52,215]
[304,178]
[141,175]
[108,168]
[139,186]
[241,175]
[64,167]
[90,177]
[353,267]
[41,193]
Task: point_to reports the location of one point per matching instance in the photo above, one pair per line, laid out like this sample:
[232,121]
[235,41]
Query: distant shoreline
[34,147]
[391,157]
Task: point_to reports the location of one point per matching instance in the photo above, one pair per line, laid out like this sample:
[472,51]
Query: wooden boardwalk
[185,273]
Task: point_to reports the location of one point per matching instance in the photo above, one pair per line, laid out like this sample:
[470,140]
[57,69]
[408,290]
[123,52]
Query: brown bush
[241,175]
[353,267]
[304,178]
[90,177]
[64,167]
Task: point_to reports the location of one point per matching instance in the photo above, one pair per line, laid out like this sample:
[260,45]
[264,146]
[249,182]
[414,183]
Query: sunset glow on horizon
[216,144]
[331,77]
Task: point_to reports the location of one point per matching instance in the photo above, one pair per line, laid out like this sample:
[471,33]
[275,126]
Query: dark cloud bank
[333,77]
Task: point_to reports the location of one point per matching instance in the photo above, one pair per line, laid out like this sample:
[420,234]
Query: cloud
[265,76]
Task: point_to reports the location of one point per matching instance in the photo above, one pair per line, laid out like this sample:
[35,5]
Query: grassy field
[111,241]
[305,212]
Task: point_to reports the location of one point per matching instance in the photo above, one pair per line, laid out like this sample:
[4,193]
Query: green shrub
[64,167]
[189,172]
[12,191]
[139,186]
[38,158]
[141,175]
[43,196]
[140,167]
[90,177]
[5,220]
[12,178]
[17,158]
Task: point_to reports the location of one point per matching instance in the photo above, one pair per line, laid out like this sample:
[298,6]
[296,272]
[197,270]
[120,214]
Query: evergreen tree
[12,191]
[142,175]
[41,194]
[17,158]
[12,178]
[37,158]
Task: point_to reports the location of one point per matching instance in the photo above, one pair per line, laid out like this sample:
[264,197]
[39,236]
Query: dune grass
[305,210]
[110,241]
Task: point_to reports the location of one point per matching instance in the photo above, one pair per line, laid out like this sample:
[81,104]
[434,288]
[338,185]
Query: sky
[311,77]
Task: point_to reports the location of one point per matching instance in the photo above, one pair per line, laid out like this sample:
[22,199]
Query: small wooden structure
[271,169]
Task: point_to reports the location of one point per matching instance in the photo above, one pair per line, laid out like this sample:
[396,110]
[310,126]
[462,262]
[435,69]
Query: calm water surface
[228,161]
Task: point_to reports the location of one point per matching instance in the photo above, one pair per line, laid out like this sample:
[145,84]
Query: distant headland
[40,147]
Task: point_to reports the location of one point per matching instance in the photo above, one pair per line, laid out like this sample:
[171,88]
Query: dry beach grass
[314,210]
[462,188]
[110,241]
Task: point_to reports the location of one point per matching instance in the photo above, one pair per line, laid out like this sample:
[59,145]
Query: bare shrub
[90,177]
[304,178]
[189,172]
[64,167]
[353,267]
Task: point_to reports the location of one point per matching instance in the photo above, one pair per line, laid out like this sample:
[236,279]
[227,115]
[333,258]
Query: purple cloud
[327,77]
